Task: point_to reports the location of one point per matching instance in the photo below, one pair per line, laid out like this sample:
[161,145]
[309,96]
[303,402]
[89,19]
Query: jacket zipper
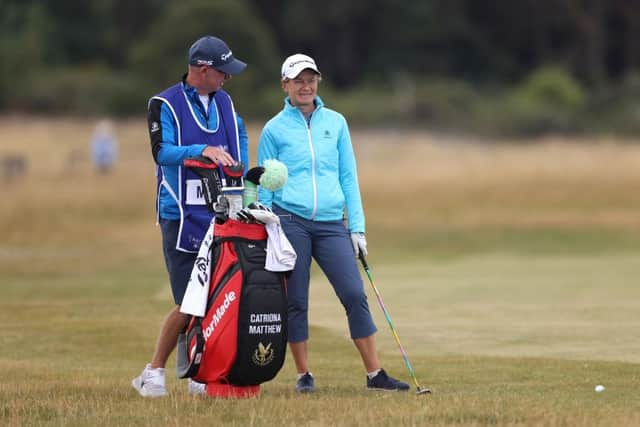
[313,166]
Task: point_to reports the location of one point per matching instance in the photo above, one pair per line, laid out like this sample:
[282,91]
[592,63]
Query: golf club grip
[363,260]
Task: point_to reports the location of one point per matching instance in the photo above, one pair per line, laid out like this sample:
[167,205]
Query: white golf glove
[359,243]
[264,216]
[256,211]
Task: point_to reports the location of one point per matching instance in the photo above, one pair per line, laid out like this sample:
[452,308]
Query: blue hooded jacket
[323,177]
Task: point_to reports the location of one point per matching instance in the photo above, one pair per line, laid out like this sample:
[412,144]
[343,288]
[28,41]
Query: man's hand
[218,156]
[359,243]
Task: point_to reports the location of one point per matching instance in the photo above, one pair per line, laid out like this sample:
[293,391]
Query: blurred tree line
[501,66]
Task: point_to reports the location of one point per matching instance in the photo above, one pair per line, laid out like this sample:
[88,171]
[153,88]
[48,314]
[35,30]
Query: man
[194,117]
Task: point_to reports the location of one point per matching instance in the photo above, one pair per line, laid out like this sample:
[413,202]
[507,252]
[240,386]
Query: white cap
[295,64]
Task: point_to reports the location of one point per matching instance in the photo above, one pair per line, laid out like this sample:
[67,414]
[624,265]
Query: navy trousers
[329,244]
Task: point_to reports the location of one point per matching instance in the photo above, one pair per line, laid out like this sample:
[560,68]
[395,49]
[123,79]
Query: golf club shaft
[365,265]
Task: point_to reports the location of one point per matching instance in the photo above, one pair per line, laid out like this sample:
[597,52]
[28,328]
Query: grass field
[510,269]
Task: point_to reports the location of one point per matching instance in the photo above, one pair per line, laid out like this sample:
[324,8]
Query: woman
[314,143]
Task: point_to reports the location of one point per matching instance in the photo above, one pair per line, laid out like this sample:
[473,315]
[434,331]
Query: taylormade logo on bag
[220,311]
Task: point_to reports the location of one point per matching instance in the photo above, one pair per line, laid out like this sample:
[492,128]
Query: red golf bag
[241,341]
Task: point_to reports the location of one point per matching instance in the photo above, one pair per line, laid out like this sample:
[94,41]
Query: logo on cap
[293,64]
[226,56]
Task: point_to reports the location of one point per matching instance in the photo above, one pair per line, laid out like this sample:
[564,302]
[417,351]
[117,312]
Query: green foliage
[437,63]
[445,103]
[161,56]
[365,104]
[86,91]
[23,34]
[549,100]
[616,108]
[551,87]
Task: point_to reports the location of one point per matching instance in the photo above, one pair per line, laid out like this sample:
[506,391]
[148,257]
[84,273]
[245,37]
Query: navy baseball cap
[213,52]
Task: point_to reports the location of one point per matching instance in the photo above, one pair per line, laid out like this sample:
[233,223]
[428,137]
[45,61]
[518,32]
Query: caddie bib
[195,216]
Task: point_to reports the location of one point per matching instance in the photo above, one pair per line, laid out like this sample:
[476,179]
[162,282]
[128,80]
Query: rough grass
[510,270]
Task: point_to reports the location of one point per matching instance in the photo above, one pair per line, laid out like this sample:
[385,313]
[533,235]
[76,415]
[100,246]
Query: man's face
[303,88]
[212,79]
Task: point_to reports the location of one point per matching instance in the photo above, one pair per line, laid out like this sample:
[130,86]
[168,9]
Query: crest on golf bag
[242,338]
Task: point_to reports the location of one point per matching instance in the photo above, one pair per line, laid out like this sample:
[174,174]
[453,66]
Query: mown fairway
[510,270]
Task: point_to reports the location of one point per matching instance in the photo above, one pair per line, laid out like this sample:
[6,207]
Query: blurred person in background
[194,117]
[313,141]
[104,147]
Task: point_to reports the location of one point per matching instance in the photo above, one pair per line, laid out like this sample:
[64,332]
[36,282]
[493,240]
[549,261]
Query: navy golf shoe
[305,384]
[382,381]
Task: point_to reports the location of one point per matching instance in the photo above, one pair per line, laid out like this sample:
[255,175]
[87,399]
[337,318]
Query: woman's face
[302,90]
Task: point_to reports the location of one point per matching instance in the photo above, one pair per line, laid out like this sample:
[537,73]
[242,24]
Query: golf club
[419,389]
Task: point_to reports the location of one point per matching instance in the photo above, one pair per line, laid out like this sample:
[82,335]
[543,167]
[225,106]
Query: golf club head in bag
[254,174]
[233,177]
[221,209]
[209,174]
[251,182]
[233,187]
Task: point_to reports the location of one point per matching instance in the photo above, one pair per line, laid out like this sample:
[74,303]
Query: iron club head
[420,390]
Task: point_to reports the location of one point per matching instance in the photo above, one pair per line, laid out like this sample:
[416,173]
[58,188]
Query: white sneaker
[196,388]
[150,383]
